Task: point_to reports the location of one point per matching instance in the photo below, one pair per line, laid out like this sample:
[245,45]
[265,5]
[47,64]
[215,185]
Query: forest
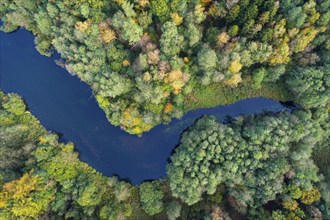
[148,61]
[267,166]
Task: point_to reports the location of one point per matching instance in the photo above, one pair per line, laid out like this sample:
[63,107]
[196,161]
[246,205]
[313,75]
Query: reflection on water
[64,104]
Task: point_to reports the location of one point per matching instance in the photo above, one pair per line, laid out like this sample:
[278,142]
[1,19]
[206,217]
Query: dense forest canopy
[254,152]
[268,166]
[148,61]
[145,58]
[256,160]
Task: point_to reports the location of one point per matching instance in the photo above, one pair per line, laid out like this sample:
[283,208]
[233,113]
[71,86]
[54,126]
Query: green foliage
[294,191]
[310,85]
[207,59]
[296,17]
[18,131]
[61,167]
[109,212]
[90,196]
[193,35]
[61,185]
[278,215]
[253,153]
[233,31]
[149,61]
[113,85]
[24,198]
[43,46]
[111,45]
[258,76]
[173,210]
[274,73]
[44,22]
[130,30]
[217,94]
[256,159]
[151,197]
[322,151]
[14,104]
[160,8]
[170,41]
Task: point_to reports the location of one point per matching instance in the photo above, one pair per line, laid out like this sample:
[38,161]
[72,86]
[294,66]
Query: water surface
[65,104]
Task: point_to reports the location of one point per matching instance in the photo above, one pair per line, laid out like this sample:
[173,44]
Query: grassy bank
[219,94]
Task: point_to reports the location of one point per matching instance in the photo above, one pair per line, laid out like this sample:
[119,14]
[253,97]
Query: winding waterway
[64,104]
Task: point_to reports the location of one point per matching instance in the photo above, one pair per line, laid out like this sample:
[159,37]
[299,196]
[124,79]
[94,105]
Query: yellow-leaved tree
[303,38]
[25,198]
[106,33]
[235,66]
[177,79]
[280,54]
[233,81]
[132,120]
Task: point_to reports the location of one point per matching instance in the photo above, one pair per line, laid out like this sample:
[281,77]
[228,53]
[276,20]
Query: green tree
[113,85]
[173,210]
[109,212]
[18,132]
[233,31]
[258,76]
[310,85]
[128,28]
[90,196]
[170,41]
[151,197]
[24,198]
[295,17]
[160,8]
[253,153]
[193,35]
[207,59]
[274,73]
[14,104]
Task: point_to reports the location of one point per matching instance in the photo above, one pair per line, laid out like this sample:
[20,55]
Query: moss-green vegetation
[143,58]
[148,61]
[253,152]
[41,177]
[257,166]
[257,160]
[219,94]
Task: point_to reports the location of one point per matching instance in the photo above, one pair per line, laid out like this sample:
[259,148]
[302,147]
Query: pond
[65,104]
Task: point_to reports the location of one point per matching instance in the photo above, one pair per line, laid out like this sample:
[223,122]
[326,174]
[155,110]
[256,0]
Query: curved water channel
[64,104]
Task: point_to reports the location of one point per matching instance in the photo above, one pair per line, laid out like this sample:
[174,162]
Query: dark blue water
[65,104]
